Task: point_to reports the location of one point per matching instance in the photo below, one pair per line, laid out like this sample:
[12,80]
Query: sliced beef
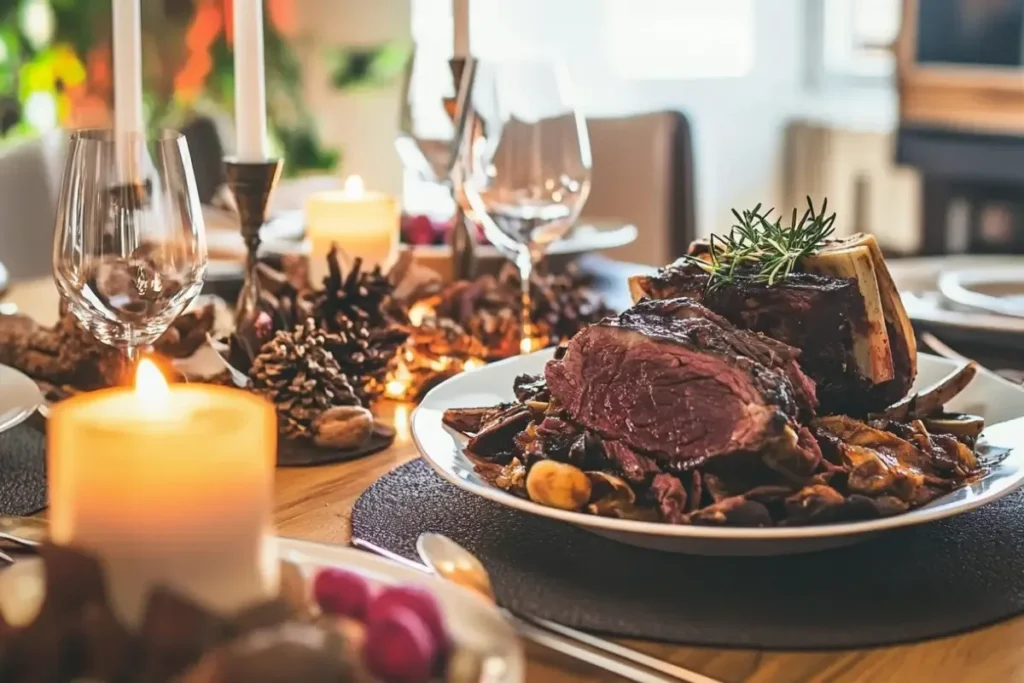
[670,495]
[814,313]
[675,381]
[635,467]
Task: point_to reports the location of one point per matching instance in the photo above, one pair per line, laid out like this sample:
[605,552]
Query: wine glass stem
[525,264]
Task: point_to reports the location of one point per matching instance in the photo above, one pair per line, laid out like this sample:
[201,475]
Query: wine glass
[525,164]
[129,249]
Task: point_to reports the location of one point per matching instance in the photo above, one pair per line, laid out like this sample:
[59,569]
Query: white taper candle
[127,42]
[250,83]
[460,21]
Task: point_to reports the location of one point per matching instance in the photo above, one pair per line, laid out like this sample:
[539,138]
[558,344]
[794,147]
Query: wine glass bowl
[525,164]
[129,246]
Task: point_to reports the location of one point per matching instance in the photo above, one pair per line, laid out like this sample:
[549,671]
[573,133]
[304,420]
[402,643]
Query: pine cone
[359,296]
[297,372]
[363,354]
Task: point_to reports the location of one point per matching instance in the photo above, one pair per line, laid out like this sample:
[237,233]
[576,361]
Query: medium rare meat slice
[815,313]
[672,379]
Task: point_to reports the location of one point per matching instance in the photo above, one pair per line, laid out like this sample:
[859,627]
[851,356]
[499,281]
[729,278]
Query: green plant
[55,69]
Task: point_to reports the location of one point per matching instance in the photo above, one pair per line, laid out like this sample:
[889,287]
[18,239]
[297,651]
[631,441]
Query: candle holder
[251,183]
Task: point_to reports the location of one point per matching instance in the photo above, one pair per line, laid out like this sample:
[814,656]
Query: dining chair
[644,174]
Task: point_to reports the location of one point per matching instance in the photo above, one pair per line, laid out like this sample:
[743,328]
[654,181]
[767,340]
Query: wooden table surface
[316,503]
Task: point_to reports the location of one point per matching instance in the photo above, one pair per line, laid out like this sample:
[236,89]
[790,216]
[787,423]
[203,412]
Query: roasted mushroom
[610,496]
[963,426]
[558,485]
[494,440]
[931,400]
[470,420]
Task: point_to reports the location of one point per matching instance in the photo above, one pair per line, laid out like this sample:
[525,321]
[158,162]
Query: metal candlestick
[251,183]
[463,242]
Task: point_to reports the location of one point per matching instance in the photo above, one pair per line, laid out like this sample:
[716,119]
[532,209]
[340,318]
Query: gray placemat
[22,470]
[924,582]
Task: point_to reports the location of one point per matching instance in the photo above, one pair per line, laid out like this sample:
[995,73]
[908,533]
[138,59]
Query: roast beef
[674,380]
[815,313]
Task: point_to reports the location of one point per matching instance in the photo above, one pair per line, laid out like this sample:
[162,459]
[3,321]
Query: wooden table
[316,504]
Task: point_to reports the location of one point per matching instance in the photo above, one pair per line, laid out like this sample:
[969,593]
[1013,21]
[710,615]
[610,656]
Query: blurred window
[639,39]
[857,39]
[679,39]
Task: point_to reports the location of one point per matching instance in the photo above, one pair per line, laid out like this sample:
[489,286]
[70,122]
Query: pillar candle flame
[354,187]
[150,385]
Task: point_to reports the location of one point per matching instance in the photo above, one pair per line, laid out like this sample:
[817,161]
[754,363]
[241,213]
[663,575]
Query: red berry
[418,230]
[342,593]
[399,647]
[420,601]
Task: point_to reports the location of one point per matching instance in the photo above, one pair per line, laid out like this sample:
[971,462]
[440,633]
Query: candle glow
[363,224]
[167,486]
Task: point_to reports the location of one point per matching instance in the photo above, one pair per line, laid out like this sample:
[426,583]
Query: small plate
[473,622]
[1001,402]
[919,282]
[19,397]
[990,290]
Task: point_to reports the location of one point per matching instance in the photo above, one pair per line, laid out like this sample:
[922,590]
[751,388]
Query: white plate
[989,290]
[19,397]
[1001,402]
[918,280]
[472,621]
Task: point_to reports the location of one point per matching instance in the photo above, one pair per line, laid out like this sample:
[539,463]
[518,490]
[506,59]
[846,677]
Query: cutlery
[618,660]
[24,530]
[24,543]
[451,561]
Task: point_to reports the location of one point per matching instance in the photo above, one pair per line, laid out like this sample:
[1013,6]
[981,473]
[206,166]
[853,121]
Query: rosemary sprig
[758,249]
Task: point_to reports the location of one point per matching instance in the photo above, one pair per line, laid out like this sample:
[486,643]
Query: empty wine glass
[525,164]
[129,246]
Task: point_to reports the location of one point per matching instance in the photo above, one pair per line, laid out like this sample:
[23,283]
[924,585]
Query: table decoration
[56,624]
[928,582]
[251,183]
[365,224]
[65,359]
[147,533]
[463,324]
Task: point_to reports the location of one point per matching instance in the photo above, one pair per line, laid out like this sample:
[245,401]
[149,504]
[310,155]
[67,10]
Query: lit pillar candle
[167,486]
[250,84]
[127,44]
[363,224]
[460,27]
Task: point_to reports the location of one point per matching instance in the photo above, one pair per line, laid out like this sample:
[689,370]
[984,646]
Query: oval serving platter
[1002,445]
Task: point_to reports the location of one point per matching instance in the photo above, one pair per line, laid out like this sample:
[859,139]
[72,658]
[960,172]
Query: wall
[362,124]
[739,122]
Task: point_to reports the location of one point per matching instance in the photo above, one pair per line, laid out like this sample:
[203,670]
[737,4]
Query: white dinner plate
[1001,402]
[19,397]
[472,622]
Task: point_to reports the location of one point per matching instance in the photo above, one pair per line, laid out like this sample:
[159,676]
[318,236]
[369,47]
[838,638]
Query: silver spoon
[19,541]
[451,561]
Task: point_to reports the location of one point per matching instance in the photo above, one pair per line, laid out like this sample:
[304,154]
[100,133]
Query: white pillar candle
[250,83]
[460,26]
[363,224]
[127,44]
[168,486]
